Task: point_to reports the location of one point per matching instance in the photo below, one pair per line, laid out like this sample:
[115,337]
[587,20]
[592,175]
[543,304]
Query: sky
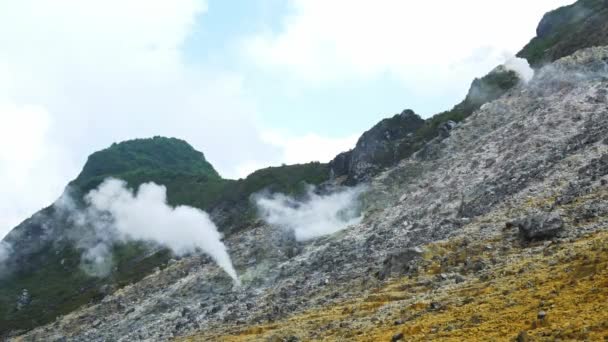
[249,83]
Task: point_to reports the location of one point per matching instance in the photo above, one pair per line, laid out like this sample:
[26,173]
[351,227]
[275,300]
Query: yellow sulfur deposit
[543,292]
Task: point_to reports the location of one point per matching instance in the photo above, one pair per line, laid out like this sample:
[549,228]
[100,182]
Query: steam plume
[521,67]
[314,216]
[145,215]
[5,251]
[117,213]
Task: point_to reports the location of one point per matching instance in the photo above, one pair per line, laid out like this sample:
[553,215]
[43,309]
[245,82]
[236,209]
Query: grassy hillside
[168,156]
[229,200]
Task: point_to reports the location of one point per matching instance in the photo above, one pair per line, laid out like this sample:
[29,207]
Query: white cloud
[30,164]
[429,45]
[76,76]
[521,67]
[113,70]
[298,149]
[308,147]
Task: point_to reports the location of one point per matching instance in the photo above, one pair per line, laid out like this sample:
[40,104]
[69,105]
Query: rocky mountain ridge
[397,138]
[454,213]
[514,166]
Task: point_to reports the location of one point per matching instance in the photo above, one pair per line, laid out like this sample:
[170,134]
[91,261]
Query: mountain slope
[47,262]
[516,189]
[397,138]
[46,255]
[493,209]
[502,302]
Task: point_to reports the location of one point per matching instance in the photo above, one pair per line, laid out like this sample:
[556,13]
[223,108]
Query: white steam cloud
[521,67]
[314,216]
[115,213]
[145,215]
[5,251]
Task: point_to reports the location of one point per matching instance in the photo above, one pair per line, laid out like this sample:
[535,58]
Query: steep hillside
[377,148]
[488,221]
[537,292]
[46,262]
[493,232]
[565,30]
[46,254]
[397,138]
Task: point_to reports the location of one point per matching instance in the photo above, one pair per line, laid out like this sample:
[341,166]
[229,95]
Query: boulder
[23,300]
[539,226]
[522,337]
[397,337]
[340,165]
[446,128]
[400,262]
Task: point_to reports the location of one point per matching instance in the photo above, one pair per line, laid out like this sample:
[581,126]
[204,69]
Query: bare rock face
[377,148]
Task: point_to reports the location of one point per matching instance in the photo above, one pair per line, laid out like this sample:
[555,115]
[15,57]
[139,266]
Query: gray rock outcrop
[539,225]
[381,146]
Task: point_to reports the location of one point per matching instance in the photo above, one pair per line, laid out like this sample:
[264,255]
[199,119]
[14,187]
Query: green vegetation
[231,197]
[53,289]
[568,29]
[53,274]
[188,177]
[288,179]
[58,285]
[205,193]
[136,158]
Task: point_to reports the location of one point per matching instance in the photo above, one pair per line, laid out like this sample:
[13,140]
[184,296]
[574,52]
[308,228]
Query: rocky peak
[567,29]
[397,138]
[379,147]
